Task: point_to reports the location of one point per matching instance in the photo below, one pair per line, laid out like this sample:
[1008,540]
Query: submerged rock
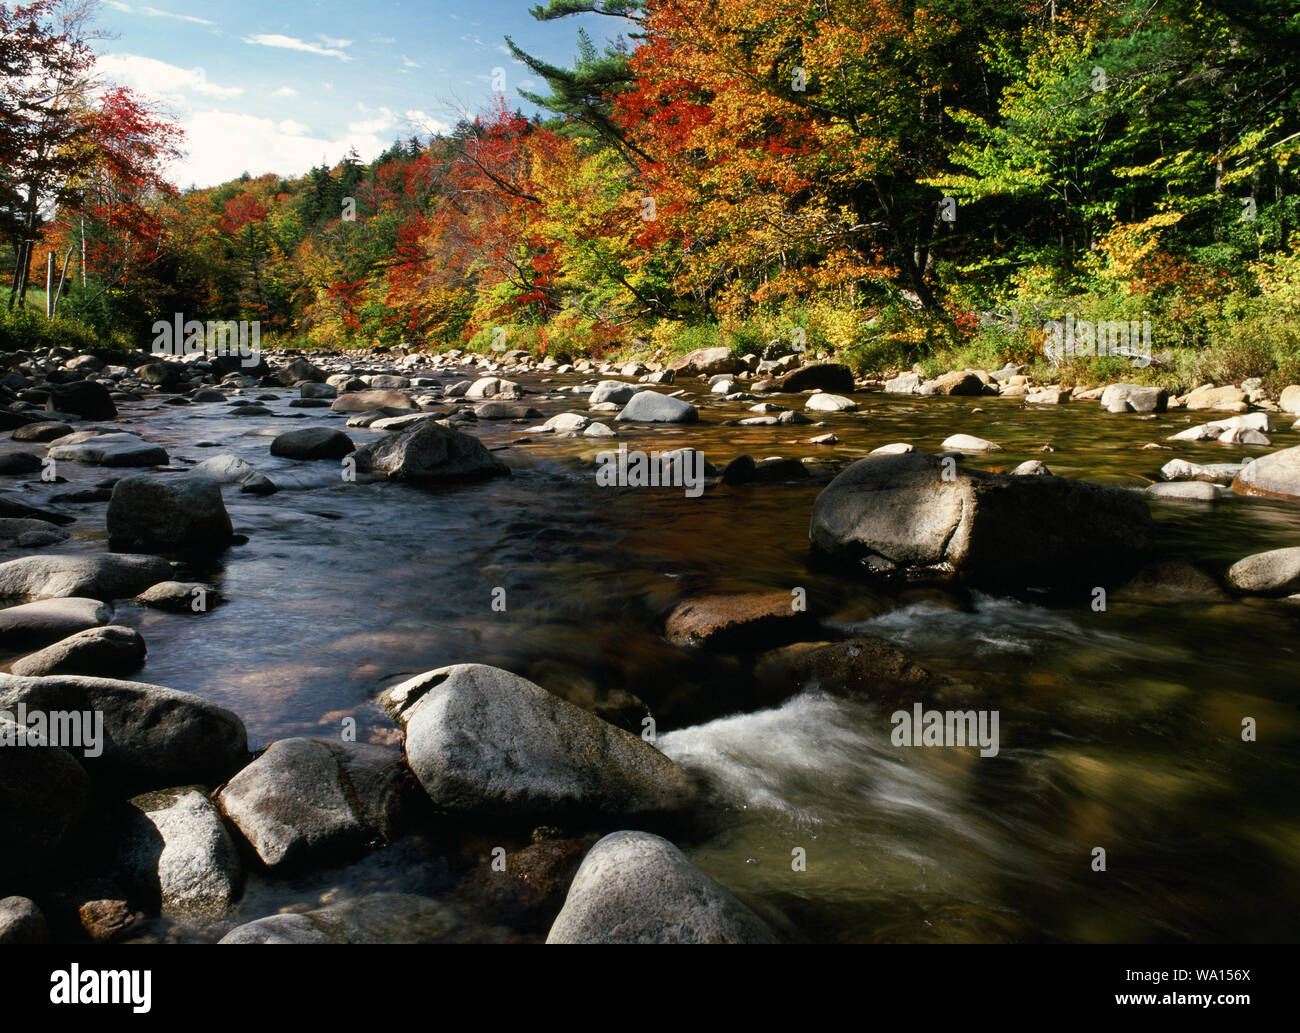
[114,449]
[376,918]
[484,741]
[428,451]
[634,887]
[737,621]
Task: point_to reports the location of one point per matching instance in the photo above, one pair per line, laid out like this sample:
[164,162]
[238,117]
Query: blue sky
[276,86]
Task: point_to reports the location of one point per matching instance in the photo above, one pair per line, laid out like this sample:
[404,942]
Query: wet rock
[224,469]
[530,890]
[506,411]
[898,513]
[1172,581]
[391,423]
[895,449]
[958,382]
[175,855]
[17,464]
[1276,572]
[970,443]
[44,794]
[706,361]
[493,387]
[738,621]
[905,384]
[365,419]
[312,443]
[82,398]
[207,394]
[824,439]
[828,376]
[1032,468]
[376,918]
[822,402]
[567,423]
[1215,473]
[179,597]
[778,470]
[307,801]
[297,370]
[652,407]
[428,451]
[598,430]
[862,667]
[792,416]
[110,650]
[11,507]
[1276,474]
[1187,491]
[1242,430]
[613,391]
[1047,396]
[95,577]
[484,741]
[739,471]
[152,736]
[1289,401]
[29,533]
[21,922]
[634,887]
[93,908]
[37,624]
[116,449]
[1233,399]
[365,401]
[317,392]
[1133,398]
[45,431]
[168,514]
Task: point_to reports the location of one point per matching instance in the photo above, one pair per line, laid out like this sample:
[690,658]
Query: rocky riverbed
[385,647]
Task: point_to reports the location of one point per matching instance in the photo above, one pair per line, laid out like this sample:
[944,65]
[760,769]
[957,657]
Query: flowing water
[1119,729]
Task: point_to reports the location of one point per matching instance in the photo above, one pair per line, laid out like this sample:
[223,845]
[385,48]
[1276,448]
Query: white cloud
[223,144]
[153,12]
[381,120]
[329,41]
[425,122]
[272,39]
[285,91]
[160,80]
[408,63]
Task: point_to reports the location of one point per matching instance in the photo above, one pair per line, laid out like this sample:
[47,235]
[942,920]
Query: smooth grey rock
[375,918]
[1276,572]
[1276,474]
[103,577]
[1134,398]
[613,391]
[152,736]
[168,514]
[308,800]
[652,407]
[111,651]
[312,443]
[822,402]
[312,390]
[21,922]
[1215,473]
[115,449]
[225,469]
[484,741]
[175,854]
[45,431]
[37,624]
[1032,468]
[1190,491]
[970,443]
[905,384]
[179,597]
[706,361]
[635,887]
[366,401]
[428,451]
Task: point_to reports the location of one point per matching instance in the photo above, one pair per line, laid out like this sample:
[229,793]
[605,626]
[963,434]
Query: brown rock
[732,621]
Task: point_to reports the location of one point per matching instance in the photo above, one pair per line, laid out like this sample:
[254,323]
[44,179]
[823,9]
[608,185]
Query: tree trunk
[49,284]
[63,277]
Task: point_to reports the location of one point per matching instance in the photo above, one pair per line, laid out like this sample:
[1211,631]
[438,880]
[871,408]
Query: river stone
[635,887]
[111,650]
[1215,473]
[179,597]
[312,443]
[904,384]
[970,443]
[17,464]
[166,514]
[365,401]
[1276,474]
[493,387]
[38,624]
[93,577]
[958,382]
[45,431]
[1276,572]
[1044,395]
[428,451]
[207,394]
[224,469]
[895,449]
[1190,491]
[1230,398]
[25,533]
[486,742]
[735,621]
[823,402]
[567,423]
[305,801]
[1172,581]
[389,382]
[528,891]
[21,921]
[115,449]
[706,361]
[612,391]
[175,854]
[12,507]
[153,736]
[44,794]
[297,370]
[864,667]
[312,390]
[375,918]
[82,398]
[1288,402]
[495,410]
[652,407]
[899,513]
[1133,398]
[1229,430]
[1032,468]
[828,376]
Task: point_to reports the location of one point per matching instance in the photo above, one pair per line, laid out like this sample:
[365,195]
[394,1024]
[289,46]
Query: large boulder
[297,370]
[111,650]
[958,382]
[1230,398]
[175,855]
[1276,572]
[168,514]
[1276,474]
[312,443]
[1134,398]
[494,387]
[707,361]
[634,887]
[44,794]
[82,398]
[824,402]
[32,625]
[98,449]
[1289,401]
[614,391]
[652,407]
[428,451]
[151,736]
[743,620]
[486,742]
[921,516]
[365,401]
[828,376]
[89,577]
[305,801]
